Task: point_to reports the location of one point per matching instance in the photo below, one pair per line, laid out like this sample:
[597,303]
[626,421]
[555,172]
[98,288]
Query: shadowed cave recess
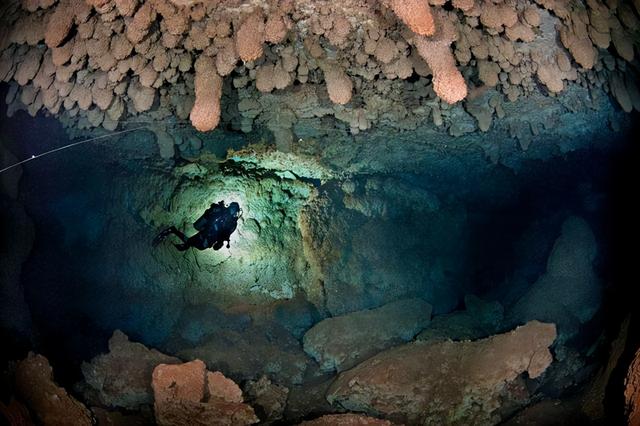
[437,212]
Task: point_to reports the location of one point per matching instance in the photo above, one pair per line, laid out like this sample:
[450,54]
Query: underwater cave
[319,213]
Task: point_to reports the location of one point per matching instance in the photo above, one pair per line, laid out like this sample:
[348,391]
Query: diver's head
[234,209]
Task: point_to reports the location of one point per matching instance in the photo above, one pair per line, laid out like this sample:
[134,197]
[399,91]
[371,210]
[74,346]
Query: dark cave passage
[491,244]
[319,213]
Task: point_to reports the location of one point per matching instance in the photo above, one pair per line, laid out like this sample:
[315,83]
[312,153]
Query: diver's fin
[158,239]
[161,236]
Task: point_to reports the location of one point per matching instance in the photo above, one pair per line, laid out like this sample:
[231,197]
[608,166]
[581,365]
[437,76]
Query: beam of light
[34,157]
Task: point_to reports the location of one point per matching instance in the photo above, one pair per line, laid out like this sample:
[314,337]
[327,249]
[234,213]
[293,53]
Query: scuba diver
[214,227]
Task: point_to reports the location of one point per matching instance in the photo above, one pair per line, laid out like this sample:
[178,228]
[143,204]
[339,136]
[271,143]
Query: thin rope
[34,157]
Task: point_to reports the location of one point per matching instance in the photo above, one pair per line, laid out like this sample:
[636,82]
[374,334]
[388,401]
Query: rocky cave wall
[275,65]
[306,232]
[398,127]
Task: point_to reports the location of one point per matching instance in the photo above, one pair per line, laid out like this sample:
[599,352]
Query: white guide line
[33,157]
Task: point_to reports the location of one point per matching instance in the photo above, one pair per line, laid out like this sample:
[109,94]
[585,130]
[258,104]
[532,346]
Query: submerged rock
[480,319]
[383,240]
[268,397]
[446,382]
[183,396]
[346,420]
[308,400]
[248,352]
[341,342]
[122,377]
[549,412]
[117,418]
[52,404]
[569,293]
[15,413]
[632,391]
[593,403]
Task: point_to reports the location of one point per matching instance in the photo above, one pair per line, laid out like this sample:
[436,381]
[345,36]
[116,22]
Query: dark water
[67,194]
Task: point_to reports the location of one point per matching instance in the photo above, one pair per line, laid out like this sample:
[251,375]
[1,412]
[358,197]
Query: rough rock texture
[375,49]
[183,397]
[632,392]
[205,113]
[51,404]
[122,377]
[447,382]
[480,319]
[416,14]
[339,85]
[594,398]
[268,398]
[244,351]
[15,413]
[341,342]
[569,293]
[346,420]
[308,400]
[364,255]
[448,82]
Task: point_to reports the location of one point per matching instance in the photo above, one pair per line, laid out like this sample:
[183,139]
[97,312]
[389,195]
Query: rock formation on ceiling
[108,63]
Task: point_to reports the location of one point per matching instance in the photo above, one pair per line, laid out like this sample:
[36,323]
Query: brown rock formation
[448,382]
[51,403]
[632,391]
[205,113]
[593,401]
[343,341]
[448,82]
[183,397]
[339,84]
[15,414]
[60,24]
[416,14]
[269,397]
[250,37]
[147,48]
[346,420]
[122,377]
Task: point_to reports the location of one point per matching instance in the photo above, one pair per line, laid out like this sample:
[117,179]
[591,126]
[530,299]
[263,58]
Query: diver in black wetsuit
[214,227]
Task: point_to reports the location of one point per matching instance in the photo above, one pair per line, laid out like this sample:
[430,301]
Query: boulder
[245,352]
[183,397]
[632,391]
[341,342]
[479,320]
[308,400]
[122,377]
[569,292]
[447,382]
[346,420]
[269,398]
[51,404]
